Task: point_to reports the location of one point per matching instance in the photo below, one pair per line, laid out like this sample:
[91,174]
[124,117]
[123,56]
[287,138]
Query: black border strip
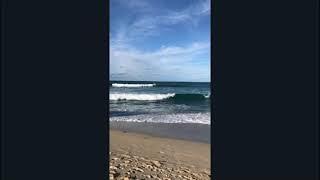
[213,74]
[317,157]
[107,75]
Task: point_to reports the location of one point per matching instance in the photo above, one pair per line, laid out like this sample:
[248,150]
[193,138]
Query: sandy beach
[143,156]
[159,130]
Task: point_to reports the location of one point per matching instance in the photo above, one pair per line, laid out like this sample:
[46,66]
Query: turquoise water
[168,102]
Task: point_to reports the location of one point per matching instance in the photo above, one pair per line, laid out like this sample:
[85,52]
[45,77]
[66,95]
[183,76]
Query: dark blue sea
[164,102]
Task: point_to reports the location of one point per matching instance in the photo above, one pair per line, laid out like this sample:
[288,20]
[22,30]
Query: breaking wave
[133,85]
[156,97]
[140,97]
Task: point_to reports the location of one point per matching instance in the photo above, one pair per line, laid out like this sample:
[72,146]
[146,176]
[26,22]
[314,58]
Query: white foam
[202,118]
[140,97]
[132,85]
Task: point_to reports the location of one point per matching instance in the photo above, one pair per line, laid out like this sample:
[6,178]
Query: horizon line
[162,81]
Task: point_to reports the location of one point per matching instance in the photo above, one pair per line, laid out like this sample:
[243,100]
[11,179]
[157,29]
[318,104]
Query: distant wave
[154,97]
[132,85]
[202,118]
[140,97]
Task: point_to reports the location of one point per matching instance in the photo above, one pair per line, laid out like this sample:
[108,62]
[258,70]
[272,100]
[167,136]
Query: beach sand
[143,156]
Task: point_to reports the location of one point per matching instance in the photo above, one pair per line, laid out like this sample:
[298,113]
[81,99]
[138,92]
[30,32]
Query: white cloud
[162,64]
[151,25]
[180,63]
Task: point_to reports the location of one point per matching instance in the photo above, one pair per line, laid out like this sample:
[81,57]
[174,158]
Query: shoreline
[142,156]
[194,132]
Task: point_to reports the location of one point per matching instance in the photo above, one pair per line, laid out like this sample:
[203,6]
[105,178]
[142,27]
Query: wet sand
[184,131]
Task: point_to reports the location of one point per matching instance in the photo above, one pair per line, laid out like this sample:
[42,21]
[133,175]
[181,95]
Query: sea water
[164,102]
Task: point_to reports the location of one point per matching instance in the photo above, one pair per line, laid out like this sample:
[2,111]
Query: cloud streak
[168,62]
[172,62]
[151,25]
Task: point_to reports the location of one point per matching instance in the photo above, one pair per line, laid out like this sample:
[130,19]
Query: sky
[160,40]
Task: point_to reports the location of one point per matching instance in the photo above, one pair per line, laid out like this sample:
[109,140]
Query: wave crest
[170,97]
[140,97]
[133,85]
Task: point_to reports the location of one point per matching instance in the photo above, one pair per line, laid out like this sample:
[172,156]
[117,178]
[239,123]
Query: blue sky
[160,40]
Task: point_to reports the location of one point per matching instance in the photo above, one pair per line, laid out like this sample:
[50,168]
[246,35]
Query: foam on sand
[200,118]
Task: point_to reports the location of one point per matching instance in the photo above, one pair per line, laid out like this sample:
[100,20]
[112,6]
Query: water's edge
[185,131]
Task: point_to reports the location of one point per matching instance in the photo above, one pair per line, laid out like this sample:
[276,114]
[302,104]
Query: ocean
[160,102]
